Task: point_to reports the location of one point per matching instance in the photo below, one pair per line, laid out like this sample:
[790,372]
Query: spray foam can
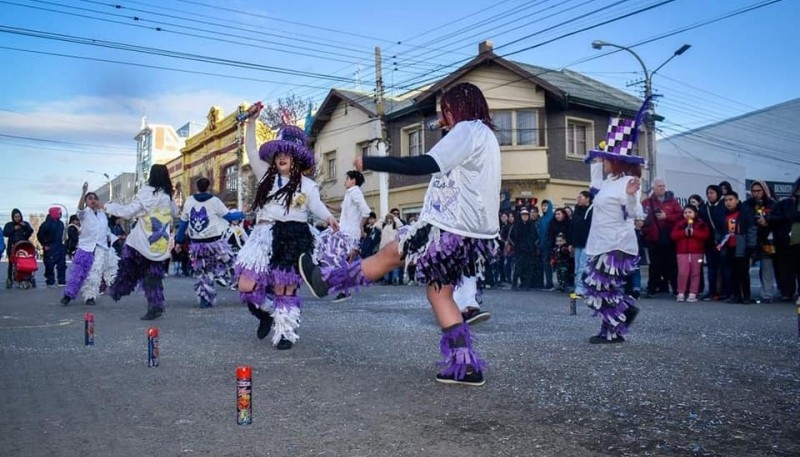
[244,395]
[152,347]
[88,329]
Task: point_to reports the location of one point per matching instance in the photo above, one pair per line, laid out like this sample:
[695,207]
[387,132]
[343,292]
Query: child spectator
[561,260]
[690,235]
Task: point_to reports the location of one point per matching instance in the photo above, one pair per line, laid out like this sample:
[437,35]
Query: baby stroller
[23,264]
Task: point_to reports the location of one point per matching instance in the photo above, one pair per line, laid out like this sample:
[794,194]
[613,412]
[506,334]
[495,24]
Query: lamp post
[650,123]
[108,178]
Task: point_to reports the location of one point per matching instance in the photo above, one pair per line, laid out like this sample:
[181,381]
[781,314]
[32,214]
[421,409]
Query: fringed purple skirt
[270,257]
[441,257]
[605,284]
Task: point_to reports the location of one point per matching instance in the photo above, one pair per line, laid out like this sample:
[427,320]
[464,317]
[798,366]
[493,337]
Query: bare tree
[292,110]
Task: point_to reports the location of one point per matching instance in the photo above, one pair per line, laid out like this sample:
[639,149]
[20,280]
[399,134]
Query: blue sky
[88,111]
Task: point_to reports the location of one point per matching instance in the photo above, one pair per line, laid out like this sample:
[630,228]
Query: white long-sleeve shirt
[614,214]
[94,230]
[354,210]
[205,217]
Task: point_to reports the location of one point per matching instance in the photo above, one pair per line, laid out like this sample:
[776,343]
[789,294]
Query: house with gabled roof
[546,120]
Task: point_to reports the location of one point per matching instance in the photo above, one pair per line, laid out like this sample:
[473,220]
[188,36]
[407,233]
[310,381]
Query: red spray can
[88,329]
[244,395]
[152,347]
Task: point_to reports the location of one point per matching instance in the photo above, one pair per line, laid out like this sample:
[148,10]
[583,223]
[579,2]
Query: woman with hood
[17,230]
[146,250]
[545,244]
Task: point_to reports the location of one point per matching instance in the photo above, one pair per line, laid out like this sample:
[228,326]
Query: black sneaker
[474,378]
[152,313]
[89,302]
[222,282]
[264,325]
[630,315]
[65,300]
[204,303]
[475,316]
[312,275]
[284,344]
[341,297]
[597,339]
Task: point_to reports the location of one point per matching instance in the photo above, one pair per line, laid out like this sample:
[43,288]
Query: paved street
[707,379]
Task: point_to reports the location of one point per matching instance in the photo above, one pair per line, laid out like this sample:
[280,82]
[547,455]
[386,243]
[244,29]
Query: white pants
[466,294]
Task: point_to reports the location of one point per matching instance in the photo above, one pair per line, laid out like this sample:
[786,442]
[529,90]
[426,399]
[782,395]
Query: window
[580,137]
[415,143]
[412,139]
[365,149]
[519,127]
[231,179]
[330,164]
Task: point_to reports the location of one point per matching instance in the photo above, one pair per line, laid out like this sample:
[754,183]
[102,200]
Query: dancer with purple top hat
[456,233]
[284,199]
[205,218]
[146,250]
[612,247]
[94,259]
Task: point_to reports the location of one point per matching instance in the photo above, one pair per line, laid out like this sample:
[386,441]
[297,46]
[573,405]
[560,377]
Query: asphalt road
[705,379]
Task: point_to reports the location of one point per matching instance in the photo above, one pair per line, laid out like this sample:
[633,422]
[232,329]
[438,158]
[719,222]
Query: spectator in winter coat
[524,241]
[690,235]
[785,222]
[17,230]
[663,211]
[51,237]
[73,231]
[544,242]
[737,247]
[760,204]
[579,228]
[388,234]
[712,212]
[372,236]
[115,225]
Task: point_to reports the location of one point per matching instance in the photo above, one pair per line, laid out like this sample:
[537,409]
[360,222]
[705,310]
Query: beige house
[546,122]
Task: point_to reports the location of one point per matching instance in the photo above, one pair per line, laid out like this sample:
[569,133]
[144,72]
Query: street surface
[703,379]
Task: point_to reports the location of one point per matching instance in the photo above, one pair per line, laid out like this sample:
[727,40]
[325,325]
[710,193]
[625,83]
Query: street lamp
[650,153]
[108,178]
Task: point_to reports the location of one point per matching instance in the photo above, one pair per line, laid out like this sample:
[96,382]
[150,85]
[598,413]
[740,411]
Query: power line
[44,140]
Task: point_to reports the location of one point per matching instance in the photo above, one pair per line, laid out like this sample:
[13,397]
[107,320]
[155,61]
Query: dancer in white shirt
[94,260]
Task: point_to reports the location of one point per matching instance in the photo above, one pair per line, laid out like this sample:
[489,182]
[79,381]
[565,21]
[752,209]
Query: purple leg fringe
[133,268]
[344,277]
[284,278]
[259,294]
[81,265]
[605,279]
[458,353]
[209,261]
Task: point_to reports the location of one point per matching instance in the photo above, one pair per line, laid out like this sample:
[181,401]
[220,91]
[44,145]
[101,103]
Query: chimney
[485,46]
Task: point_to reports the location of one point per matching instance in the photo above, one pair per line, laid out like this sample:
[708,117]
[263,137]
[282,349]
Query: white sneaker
[680,297]
[692,298]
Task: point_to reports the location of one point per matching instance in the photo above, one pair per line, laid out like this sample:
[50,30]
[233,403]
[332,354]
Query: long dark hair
[620,168]
[465,102]
[285,193]
[159,179]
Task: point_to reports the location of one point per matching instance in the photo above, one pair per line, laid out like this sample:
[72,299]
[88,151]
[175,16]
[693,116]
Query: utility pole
[383,178]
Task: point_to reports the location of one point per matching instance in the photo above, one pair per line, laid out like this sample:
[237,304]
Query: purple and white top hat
[620,139]
[291,140]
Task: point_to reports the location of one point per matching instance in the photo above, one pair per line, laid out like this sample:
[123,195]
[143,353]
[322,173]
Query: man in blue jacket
[16,230]
[51,237]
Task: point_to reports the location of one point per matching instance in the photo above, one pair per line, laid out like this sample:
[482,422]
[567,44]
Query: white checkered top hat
[620,139]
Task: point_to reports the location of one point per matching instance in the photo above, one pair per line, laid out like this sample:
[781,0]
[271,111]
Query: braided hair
[465,102]
[285,193]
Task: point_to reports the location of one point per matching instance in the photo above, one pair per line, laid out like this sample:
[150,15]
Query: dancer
[612,247]
[354,212]
[283,201]
[456,234]
[146,248]
[206,218]
[94,259]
